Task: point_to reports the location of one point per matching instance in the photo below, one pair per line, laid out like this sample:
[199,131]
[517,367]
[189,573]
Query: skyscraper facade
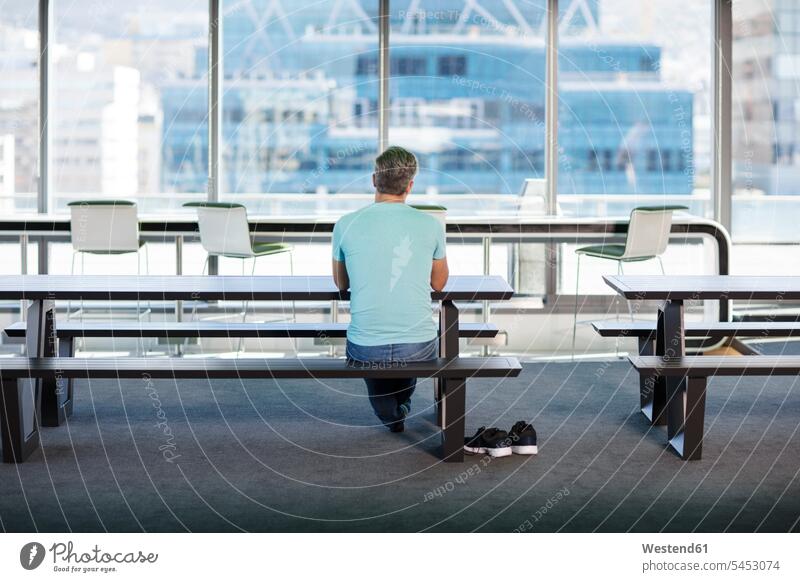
[467,93]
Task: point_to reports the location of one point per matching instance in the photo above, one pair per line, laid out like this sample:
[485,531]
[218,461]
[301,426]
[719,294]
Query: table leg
[448,348]
[674,344]
[18,423]
[670,343]
[687,439]
[42,342]
[451,392]
[21,400]
[453,413]
[64,386]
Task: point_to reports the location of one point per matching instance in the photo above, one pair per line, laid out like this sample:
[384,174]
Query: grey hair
[394,170]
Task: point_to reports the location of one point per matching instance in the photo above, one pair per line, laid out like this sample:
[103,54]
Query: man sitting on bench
[390,255]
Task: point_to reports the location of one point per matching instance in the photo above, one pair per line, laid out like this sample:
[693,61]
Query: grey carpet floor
[787,348]
[305,456]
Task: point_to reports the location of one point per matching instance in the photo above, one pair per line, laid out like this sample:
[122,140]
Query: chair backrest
[533,197]
[224,229]
[648,231]
[104,226]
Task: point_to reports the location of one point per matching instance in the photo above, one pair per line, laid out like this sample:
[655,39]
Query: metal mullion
[45,39]
[721,133]
[551,107]
[384,70]
[215,73]
[551,142]
[43,190]
[214,98]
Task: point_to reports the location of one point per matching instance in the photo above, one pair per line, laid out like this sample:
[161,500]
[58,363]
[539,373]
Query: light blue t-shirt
[388,249]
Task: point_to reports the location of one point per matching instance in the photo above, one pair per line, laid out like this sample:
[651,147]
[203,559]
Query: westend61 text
[673,549]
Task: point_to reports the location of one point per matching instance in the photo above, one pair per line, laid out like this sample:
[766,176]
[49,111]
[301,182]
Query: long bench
[217,329]
[57,396]
[19,440]
[646,331]
[652,390]
[686,389]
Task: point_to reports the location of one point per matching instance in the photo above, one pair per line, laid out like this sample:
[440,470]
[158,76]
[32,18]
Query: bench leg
[437,398]
[687,410]
[57,392]
[18,420]
[670,343]
[448,348]
[453,406]
[652,392]
[655,407]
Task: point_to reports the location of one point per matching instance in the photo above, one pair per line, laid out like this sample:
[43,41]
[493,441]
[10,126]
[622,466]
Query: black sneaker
[523,439]
[398,426]
[490,441]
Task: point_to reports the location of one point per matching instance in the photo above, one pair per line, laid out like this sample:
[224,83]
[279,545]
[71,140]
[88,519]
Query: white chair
[533,197]
[647,239]
[225,232]
[106,227]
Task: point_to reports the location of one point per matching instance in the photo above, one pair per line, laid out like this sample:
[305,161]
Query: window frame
[721,171]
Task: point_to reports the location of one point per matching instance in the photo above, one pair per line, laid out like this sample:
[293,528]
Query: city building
[766,68]
[467,93]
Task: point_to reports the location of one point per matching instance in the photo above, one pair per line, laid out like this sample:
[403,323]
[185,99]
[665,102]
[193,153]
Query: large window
[128,114]
[766,121]
[129,109]
[300,99]
[634,111]
[19,103]
[467,92]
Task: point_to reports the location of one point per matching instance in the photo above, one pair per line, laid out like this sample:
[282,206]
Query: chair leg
[616,310]
[291,272]
[193,315]
[139,302]
[294,341]
[83,272]
[72,273]
[616,295]
[203,272]
[575,312]
[246,303]
[147,272]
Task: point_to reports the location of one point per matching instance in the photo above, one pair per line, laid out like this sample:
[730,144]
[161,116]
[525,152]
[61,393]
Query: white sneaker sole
[500,452]
[525,449]
[474,450]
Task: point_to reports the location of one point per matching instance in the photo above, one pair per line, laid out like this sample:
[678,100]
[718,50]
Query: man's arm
[340,277]
[338,268]
[439,274]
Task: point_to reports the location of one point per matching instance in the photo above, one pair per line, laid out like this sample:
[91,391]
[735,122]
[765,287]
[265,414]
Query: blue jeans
[391,398]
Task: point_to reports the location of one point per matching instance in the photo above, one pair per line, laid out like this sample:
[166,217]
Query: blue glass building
[467,94]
